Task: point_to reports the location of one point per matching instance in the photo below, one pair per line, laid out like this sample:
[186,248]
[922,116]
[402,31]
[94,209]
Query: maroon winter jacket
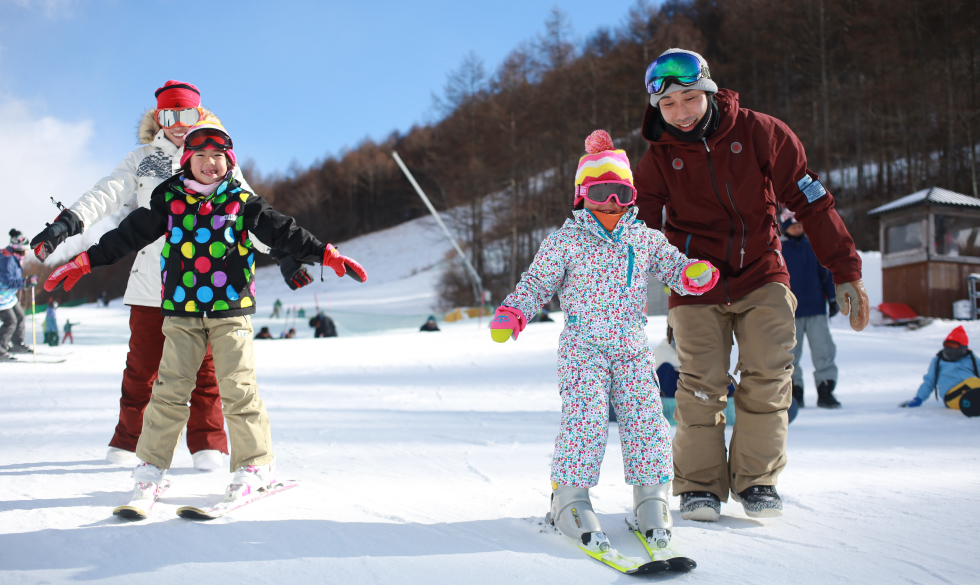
[722,196]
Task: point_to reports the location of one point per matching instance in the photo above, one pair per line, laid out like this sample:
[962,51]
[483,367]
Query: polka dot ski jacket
[207,263]
[600,277]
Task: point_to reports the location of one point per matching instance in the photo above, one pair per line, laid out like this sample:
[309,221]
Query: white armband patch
[812,189]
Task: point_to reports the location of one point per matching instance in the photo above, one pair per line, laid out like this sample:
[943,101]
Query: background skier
[12,282]
[813,287]
[68,333]
[720,172]
[51,324]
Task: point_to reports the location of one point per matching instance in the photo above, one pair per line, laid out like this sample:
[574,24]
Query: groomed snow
[425,456]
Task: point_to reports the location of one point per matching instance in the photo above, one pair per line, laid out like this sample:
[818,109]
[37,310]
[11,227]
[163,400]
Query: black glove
[834,308]
[65,226]
[293,271]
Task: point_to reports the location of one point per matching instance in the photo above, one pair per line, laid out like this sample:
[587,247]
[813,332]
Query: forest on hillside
[884,94]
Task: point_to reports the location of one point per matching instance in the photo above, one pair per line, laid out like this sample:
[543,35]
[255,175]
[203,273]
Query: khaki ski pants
[763,324]
[187,340]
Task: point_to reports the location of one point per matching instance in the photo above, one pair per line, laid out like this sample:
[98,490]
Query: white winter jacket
[130,185]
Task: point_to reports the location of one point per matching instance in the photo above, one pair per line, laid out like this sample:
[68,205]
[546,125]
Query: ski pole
[34,323]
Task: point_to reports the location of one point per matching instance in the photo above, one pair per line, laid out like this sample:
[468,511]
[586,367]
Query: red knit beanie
[959,336]
[177,95]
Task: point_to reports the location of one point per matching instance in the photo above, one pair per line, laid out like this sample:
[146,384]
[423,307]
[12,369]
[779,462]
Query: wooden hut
[930,243]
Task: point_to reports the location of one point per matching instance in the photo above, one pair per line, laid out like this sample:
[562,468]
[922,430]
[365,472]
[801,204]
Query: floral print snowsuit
[601,280]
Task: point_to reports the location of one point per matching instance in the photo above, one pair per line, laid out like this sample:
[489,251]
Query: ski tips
[129,513]
[192,513]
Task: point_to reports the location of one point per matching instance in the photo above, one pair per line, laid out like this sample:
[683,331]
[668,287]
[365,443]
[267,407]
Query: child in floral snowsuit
[597,263]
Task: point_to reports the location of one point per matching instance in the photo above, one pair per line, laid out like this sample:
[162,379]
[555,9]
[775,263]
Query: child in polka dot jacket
[208,270]
[597,264]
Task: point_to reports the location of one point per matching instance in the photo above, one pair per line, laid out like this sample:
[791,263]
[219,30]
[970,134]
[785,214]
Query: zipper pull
[742,261]
[705,141]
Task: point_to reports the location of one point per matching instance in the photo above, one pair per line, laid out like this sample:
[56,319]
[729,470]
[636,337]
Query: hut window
[904,237]
[957,236]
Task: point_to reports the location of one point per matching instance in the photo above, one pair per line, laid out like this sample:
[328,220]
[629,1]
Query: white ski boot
[651,514]
[249,479]
[148,473]
[208,460]
[150,483]
[122,457]
[572,514]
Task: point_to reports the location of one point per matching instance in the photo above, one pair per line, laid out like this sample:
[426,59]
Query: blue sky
[292,81]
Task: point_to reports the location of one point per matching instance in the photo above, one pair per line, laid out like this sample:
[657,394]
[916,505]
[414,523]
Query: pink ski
[219,510]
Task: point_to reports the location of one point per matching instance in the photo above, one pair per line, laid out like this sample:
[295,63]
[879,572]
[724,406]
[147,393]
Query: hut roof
[933,195]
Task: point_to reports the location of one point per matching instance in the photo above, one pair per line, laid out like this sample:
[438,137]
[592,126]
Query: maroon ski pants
[205,428]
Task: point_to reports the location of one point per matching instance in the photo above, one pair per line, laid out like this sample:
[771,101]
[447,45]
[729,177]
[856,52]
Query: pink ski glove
[343,265]
[70,273]
[699,277]
[507,322]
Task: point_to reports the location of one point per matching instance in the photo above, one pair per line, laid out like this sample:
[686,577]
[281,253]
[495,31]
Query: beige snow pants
[763,324]
[187,340]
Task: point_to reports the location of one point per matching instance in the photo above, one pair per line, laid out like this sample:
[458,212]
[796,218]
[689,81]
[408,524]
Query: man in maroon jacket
[721,172]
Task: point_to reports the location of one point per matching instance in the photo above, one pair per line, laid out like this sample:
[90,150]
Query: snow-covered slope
[404,264]
[425,459]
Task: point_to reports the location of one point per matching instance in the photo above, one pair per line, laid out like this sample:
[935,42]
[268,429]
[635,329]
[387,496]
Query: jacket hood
[727,101]
[586,220]
[148,127]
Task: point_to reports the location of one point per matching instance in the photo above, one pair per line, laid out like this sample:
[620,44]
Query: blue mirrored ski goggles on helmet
[681,68]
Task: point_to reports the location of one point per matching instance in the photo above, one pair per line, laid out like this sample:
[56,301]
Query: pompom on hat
[213,127]
[602,164]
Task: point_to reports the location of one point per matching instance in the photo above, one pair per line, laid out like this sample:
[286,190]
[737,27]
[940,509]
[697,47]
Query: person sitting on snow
[323,326]
[947,371]
[430,324]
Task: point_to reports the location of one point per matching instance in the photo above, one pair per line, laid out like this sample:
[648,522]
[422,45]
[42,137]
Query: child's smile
[208,165]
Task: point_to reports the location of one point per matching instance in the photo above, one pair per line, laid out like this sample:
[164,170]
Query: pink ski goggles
[599,193]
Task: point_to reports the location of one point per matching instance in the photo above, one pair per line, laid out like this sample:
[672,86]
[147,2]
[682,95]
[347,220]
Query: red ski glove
[343,265]
[70,273]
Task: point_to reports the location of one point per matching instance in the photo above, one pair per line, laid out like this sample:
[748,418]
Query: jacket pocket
[238,273]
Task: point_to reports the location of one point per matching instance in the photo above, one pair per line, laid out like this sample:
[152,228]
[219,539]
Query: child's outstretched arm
[283,232]
[536,287]
[928,384]
[683,275]
[138,230]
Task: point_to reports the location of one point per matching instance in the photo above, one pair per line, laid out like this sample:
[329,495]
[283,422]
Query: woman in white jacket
[161,133]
